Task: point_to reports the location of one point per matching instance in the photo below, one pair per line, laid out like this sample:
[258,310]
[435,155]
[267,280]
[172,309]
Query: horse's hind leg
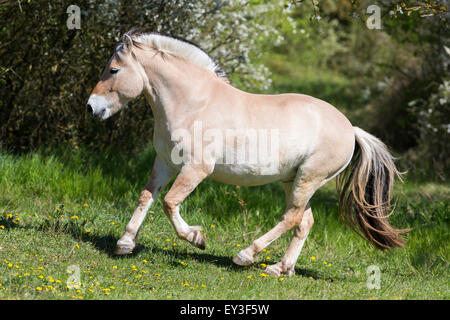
[303,188]
[160,176]
[287,263]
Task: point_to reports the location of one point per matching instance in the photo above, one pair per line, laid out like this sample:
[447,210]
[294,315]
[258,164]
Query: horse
[312,143]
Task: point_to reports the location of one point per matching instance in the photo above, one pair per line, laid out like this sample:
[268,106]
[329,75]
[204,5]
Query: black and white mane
[177,47]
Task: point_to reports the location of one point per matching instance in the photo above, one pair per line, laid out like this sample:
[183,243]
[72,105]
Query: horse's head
[122,81]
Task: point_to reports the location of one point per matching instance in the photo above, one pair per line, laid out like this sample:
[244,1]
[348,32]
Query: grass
[62,213]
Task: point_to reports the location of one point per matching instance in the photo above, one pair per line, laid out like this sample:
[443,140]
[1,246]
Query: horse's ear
[127,42]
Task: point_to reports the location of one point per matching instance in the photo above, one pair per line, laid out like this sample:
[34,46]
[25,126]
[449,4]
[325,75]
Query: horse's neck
[175,90]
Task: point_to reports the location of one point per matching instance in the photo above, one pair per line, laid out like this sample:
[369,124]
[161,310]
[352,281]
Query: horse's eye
[113,70]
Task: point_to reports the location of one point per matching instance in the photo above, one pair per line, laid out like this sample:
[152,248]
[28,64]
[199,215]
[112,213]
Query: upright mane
[177,47]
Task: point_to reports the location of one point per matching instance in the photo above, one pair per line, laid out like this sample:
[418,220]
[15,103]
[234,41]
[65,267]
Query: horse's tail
[365,189]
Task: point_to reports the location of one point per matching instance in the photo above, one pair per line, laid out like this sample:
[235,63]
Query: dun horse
[311,142]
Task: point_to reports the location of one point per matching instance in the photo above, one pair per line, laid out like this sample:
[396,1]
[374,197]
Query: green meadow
[69,183]
[63,211]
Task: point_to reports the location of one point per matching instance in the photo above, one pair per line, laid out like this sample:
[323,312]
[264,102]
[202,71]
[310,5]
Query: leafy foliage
[47,71]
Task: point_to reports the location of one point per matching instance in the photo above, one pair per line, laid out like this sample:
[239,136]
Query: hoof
[122,250]
[243,259]
[274,270]
[124,246]
[278,270]
[196,238]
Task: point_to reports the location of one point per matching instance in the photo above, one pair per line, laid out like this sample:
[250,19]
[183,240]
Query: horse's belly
[250,175]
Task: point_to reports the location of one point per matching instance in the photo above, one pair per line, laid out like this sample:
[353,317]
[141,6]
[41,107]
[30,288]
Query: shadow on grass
[107,244]
[227,263]
[9,223]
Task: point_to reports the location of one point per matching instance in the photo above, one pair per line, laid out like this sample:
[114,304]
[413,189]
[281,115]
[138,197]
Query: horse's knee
[144,198]
[293,217]
[305,225]
[169,206]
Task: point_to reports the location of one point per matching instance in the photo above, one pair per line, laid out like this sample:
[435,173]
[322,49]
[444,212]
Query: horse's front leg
[187,180]
[160,176]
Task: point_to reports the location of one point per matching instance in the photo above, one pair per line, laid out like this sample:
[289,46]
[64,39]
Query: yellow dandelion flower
[325,262]
[38,288]
[182,263]
[168,240]
[249,277]
[263,275]
[203,285]
[2,227]
[144,261]
[77,246]
[212,226]
[238,245]
[313,258]
[165,249]
[86,205]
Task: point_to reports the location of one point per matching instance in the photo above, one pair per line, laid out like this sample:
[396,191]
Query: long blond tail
[365,189]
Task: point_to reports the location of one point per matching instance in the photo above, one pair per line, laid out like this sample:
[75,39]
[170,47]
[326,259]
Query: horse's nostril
[89,108]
